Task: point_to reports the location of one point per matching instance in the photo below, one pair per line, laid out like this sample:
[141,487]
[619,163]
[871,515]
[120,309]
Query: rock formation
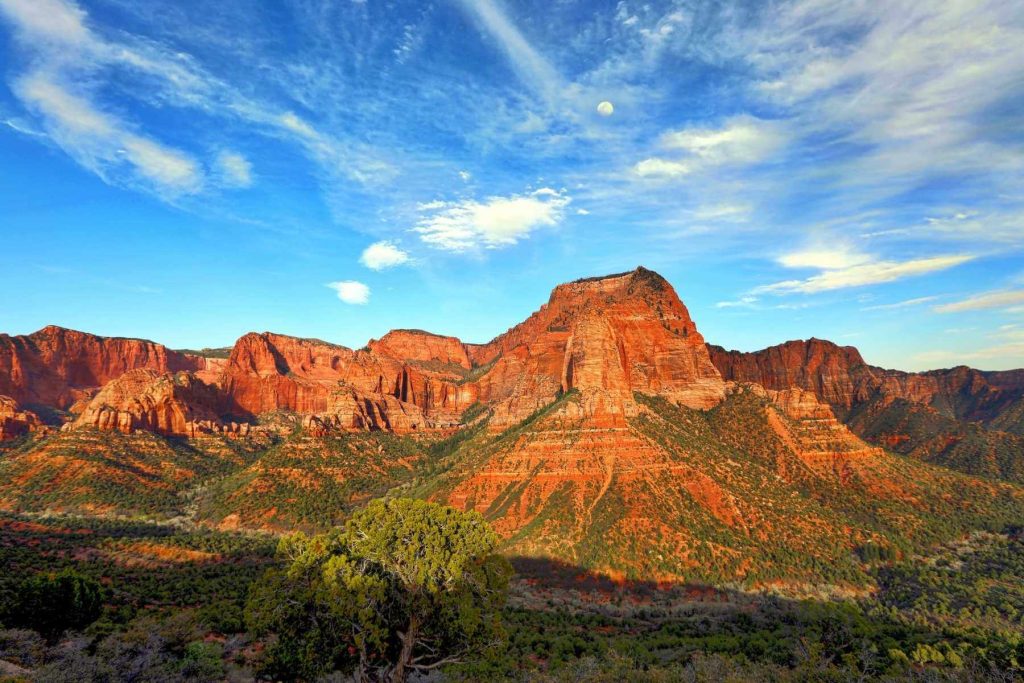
[268,372]
[607,337]
[14,421]
[960,417]
[55,367]
[172,404]
[839,376]
[604,338]
[423,347]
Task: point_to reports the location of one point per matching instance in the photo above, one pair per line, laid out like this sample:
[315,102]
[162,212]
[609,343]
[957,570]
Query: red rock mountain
[175,404]
[606,338]
[839,376]
[961,418]
[14,421]
[602,430]
[55,367]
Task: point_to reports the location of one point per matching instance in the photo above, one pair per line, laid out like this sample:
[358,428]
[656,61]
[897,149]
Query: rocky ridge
[602,430]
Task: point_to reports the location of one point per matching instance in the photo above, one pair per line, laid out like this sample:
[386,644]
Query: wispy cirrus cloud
[526,60]
[842,268]
[906,303]
[65,50]
[740,141]
[104,144]
[913,112]
[987,300]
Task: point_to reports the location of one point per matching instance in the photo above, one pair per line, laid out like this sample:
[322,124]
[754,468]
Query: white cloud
[546,192]
[530,64]
[167,167]
[662,168]
[351,291]
[102,143]
[465,175]
[382,255]
[72,113]
[582,212]
[742,302]
[741,140]
[235,169]
[496,222]
[296,125]
[840,274]
[908,303]
[727,212]
[47,19]
[824,258]
[987,300]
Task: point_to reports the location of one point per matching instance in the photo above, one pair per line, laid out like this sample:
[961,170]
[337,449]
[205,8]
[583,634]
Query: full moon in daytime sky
[605,108]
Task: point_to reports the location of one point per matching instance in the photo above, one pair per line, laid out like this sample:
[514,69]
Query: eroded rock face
[268,372]
[814,433]
[56,367]
[839,376]
[14,421]
[423,347]
[836,374]
[607,338]
[603,338]
[173,404]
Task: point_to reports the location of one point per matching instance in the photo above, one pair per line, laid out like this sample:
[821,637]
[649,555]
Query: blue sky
[190,171]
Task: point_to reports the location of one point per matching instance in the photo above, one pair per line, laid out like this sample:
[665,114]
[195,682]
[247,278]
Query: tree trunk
[400,672]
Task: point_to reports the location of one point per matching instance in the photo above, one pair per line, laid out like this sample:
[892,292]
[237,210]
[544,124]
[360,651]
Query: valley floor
[176,597]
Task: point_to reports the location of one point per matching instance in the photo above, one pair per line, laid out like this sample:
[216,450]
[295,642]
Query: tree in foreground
[54,603]
[406,586]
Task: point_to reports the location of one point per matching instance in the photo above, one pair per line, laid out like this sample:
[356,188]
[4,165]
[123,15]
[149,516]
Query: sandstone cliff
[839,376]
[962,418]
[14,421]
[175,404]
[55,367]
[268,372]
[606,337]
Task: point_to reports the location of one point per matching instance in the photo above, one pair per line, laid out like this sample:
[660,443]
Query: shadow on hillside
[550,574]
[908,629]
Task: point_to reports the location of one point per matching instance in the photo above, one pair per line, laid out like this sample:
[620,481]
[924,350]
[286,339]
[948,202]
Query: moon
[605,108]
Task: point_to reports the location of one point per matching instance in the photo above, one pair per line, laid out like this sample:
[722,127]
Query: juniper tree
[405,586]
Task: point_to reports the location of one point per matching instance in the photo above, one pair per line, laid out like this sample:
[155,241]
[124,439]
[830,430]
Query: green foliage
[406,586]
[54,603]
[475,410]
[140,475]
[310,483]
[922,432]
[118,554]
[202,661]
